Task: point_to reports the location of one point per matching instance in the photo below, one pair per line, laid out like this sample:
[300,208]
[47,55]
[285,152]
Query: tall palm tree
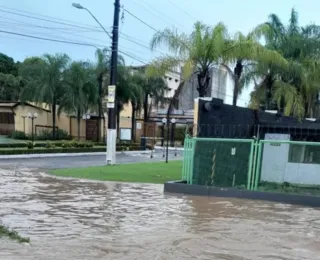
[243,56]
[102,65]
[156,88]
[198,51]
[81,90]
[203,49]
[298,45]
[47,82]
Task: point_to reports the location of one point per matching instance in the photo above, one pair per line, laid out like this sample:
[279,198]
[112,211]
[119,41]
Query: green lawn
[155,172]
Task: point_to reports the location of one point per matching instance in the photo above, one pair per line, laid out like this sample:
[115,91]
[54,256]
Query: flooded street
[78,219]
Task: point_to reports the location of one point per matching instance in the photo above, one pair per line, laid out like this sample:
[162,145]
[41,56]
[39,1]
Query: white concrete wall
[303,173]
[223,85]
[276,168]
[275,158]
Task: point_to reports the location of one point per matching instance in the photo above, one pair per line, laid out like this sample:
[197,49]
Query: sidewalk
[156,147]
[49,155]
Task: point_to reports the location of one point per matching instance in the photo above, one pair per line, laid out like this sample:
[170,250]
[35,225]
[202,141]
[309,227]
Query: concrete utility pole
[112,102]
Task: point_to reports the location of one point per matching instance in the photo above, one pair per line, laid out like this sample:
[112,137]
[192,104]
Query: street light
[112,125]
[32,116]
[86,117]
[79,6]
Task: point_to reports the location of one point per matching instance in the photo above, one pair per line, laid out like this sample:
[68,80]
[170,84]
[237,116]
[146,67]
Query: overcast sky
[237,15]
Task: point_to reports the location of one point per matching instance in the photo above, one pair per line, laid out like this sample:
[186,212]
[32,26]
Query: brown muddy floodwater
[77,219]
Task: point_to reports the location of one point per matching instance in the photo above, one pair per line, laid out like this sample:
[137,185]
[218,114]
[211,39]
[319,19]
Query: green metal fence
[218,162]
[284,165]
[254,165]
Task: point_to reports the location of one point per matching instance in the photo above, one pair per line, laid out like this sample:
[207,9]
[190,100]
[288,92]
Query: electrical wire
[163,15]
[148,25]
[69,42]
[44,19]
[51,18]
[183,11]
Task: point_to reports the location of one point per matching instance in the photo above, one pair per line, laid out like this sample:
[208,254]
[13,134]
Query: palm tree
[243,56]
[156,88]
[81,90]
[296,84]
[46,81]
[198,52]
[102,65]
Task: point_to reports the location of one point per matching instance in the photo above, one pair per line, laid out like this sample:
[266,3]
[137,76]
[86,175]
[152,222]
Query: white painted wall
[222,87]
[274,159]
[276,168]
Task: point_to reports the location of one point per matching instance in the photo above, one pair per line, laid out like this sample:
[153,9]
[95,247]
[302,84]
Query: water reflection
[78,219]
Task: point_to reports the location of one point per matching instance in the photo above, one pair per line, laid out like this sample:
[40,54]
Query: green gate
[219,162]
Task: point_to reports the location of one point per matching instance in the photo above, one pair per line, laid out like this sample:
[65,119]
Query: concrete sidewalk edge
[169,148]
[49,155]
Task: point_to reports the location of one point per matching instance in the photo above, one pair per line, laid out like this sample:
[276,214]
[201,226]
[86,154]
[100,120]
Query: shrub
[48,135]
[18,135]
[30,145]
[49,145]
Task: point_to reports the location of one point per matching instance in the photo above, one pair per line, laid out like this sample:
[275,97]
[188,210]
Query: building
[220,86]
[290,148]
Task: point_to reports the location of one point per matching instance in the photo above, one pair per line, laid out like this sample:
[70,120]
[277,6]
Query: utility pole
[112,102]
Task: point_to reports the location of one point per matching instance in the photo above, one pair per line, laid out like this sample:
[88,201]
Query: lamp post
[32,116]
[112,102]
[173,126]
[164,121]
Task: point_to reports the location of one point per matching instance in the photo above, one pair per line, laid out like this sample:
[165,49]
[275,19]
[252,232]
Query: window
[304,153]
[6,118]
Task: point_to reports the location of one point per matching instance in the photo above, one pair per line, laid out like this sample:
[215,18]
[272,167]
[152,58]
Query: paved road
[82,161]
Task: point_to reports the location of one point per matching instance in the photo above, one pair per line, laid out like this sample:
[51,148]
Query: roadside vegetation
[154,172]
[11,234]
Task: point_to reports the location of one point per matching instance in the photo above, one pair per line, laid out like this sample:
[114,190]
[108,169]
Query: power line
[127,37]
[44,19]
[48,39]
[69,42]
[140,19]
[50,17]
[183,11]
[160,12]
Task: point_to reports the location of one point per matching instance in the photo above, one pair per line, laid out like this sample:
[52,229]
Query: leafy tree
[296,85]
[7,65]
[10,87]
[198,52]
[10,83]
[81,90]
[45,81]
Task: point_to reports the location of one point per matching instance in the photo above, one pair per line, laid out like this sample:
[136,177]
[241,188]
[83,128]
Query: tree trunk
[203,83]
[235,91]
[237,75]
[145,114]
[54,109]
[133,123]
[99,110]
[78,123]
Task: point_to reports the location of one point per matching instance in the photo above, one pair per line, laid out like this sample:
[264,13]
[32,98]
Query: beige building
[14,117]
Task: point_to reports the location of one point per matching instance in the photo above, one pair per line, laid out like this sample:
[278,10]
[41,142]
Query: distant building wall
[42,119]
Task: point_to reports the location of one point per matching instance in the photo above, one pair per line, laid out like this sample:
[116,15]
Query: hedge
[65,150]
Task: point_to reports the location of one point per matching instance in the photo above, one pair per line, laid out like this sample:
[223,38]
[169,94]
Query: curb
[50,155]
[169,148]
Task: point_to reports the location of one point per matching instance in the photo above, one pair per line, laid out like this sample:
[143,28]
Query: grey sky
[237,15]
